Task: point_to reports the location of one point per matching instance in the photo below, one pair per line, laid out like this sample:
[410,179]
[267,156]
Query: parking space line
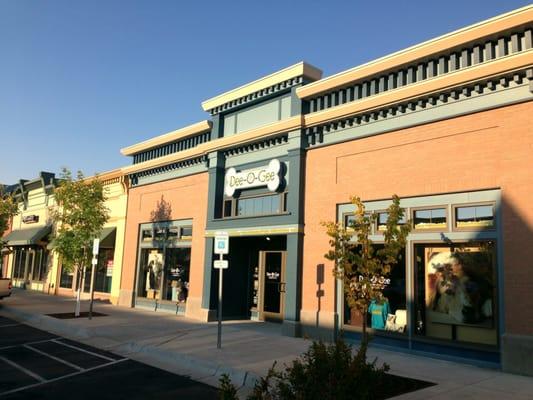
[53,357]
[21,368]
[30,343]
[83,350]
[44,382]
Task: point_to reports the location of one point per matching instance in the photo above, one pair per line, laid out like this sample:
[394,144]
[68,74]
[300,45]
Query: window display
[456,292]
[390,315]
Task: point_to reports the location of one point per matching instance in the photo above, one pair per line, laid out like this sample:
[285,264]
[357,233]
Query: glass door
[272,284]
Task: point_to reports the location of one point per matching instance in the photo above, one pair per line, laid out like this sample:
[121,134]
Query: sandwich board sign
[221,243]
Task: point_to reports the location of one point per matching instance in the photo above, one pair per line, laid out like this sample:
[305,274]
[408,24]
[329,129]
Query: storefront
[443,125]
[108,271]
[30,264]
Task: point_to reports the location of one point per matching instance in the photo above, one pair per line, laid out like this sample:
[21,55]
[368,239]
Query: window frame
[455,228]
[234,200]
[413,210]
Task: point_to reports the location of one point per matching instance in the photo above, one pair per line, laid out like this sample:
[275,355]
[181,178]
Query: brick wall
[491,149]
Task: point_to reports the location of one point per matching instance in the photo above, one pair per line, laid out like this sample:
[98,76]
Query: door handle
[281,287]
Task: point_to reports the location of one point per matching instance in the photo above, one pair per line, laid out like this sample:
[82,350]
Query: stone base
[516,354]
[194,309]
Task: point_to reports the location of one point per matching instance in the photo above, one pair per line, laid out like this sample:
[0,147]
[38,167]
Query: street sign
[221,243]
[220,264]
[96,246]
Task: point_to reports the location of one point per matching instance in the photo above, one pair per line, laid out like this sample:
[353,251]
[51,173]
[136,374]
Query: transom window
[270,204]
[474,216]
[382,220]
[434,218]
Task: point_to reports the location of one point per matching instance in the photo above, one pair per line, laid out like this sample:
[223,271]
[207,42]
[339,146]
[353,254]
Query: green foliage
[80,216]
[324,372]
[8,209]
[358,263]
[226,390]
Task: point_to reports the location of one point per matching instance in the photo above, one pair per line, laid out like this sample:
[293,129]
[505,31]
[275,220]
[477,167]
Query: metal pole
[219,336]
[93,271]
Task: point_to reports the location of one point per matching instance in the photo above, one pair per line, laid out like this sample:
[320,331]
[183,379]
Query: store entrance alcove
[254,283]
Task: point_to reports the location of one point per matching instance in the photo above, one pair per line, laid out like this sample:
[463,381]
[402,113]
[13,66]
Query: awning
[107,237]
[25,237]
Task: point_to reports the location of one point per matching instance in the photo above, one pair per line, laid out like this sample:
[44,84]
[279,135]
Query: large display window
[391,314]
[164,275]
[456,292]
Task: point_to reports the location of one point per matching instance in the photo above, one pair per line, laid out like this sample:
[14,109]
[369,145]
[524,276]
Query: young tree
[79,216]
[359,263]
[8,209]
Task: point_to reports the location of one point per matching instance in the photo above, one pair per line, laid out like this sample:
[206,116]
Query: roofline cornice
[199,127]
[451,40]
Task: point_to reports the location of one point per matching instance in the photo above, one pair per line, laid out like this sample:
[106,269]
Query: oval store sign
[249,178]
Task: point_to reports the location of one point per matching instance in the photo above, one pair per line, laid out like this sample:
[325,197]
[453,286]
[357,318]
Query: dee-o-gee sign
[263,176]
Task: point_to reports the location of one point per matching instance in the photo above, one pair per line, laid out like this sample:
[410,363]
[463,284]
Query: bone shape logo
[264,176]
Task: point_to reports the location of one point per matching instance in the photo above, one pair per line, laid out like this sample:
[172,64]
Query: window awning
[107,237]
[25,237]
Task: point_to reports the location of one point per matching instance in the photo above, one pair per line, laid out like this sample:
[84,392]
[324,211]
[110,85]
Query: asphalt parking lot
[35,364]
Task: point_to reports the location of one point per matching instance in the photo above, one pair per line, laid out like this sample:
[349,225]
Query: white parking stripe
[61,377]
[21,368]
[30,343]
[53,357]
[58,341]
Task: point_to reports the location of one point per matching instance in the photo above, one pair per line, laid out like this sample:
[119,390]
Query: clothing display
[379,312]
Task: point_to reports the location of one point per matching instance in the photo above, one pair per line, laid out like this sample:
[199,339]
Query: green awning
[29,236]
[107,237]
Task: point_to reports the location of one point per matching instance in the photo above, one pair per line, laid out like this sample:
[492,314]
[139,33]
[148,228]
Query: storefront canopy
[26,237]
[107,237]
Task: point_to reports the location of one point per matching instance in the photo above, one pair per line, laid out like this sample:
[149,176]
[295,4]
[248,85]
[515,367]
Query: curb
[197,367]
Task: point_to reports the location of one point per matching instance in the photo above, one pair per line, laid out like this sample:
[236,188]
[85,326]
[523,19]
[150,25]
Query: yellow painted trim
[258,231]
[217,144]
[470,33]
[464,76]
[182,133]
[293,71]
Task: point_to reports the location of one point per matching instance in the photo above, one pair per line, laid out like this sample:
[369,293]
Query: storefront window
[66,279]
[150,272]
[104,272]
[390,315]
[456,295]
[169,274]
[176,279]
[40,268]
[19,263]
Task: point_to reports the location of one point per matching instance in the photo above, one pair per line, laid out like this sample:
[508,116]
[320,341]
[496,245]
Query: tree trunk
[81,281]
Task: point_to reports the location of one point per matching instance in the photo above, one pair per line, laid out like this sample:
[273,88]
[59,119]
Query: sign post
[94,262]
[221,248]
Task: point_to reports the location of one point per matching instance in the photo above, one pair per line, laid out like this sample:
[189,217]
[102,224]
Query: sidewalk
[187,347]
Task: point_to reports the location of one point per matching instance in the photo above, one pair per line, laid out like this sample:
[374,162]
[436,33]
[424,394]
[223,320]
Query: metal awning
[107,237]
[29,236]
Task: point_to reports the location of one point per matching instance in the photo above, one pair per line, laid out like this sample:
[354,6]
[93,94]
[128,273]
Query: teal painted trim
[238,161]
[465,104]
[208,263]
[174,174]
[293,277]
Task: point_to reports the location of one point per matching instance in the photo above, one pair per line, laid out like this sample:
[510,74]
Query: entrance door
[272,284]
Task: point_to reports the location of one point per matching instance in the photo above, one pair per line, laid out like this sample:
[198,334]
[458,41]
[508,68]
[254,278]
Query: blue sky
[81,79]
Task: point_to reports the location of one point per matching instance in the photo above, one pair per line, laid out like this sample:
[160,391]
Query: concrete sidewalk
[188,347]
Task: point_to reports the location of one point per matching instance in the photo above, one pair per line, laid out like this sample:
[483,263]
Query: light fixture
[268,238]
